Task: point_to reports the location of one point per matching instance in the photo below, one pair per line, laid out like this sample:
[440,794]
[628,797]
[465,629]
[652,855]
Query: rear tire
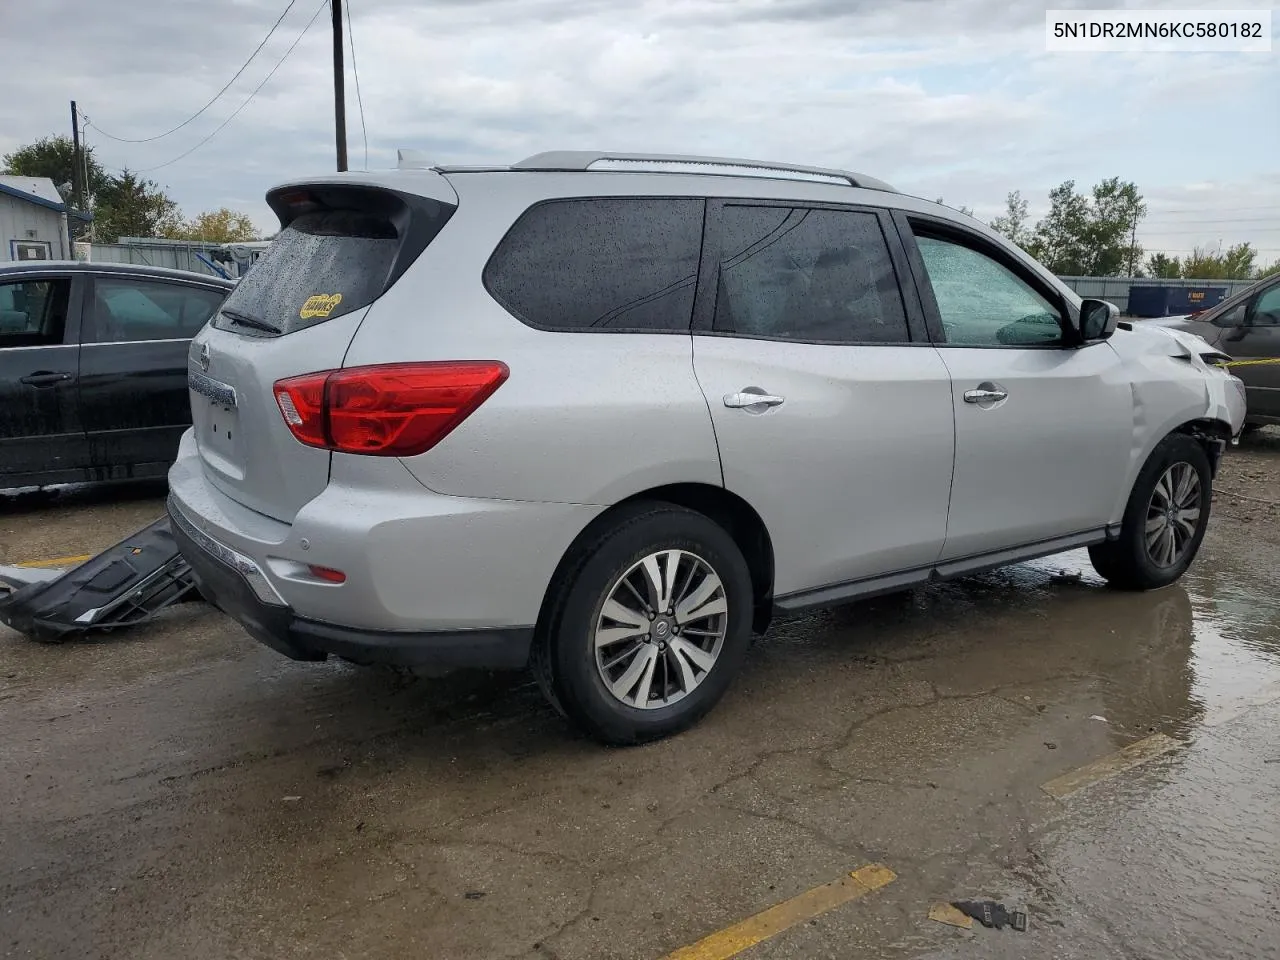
[648,625]
[1164,520]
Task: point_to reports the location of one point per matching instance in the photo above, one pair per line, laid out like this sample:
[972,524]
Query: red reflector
[328,574]
[389,410]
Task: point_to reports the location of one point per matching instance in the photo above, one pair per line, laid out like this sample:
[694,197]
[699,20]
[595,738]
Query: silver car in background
[603,415]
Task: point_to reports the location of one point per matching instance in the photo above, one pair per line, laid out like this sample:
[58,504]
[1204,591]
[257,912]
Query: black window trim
[71,322]
[652,331]
[704,305]
[88,314]
[950,230]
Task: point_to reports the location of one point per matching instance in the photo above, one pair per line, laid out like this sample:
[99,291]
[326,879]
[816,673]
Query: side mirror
[1234,317]
[1098,319]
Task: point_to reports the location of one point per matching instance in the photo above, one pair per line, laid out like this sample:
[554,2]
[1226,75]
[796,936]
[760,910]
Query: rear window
[337,256]
[621,263]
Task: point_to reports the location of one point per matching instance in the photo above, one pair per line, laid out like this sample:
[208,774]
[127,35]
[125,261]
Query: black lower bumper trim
[301,639]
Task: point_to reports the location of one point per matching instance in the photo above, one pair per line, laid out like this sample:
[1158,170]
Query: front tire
[1164,521]
[650,622]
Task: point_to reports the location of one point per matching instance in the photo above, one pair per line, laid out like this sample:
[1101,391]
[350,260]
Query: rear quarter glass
[337,257]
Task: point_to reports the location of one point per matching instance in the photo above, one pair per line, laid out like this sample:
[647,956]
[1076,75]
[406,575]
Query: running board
[124,585]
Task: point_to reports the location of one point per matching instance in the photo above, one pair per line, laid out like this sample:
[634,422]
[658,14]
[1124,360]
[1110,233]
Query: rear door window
[33,313]
[128,311]
[611,264]
[807,275]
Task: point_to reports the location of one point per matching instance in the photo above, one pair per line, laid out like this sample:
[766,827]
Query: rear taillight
[390,410]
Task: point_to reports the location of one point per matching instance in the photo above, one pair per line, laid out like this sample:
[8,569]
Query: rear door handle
[45,378]
[749,397]
[985,394]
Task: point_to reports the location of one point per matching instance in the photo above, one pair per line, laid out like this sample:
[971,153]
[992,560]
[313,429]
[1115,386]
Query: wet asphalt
[179,790]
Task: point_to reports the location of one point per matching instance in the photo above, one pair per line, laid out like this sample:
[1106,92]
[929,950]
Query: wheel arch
[1213,435]
[737,517]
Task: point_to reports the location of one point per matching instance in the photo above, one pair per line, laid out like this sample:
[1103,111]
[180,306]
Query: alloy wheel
[1173,514]
[660,629]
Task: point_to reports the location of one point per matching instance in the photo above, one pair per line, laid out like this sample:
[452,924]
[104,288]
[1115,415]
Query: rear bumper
[235,584]
[415,562]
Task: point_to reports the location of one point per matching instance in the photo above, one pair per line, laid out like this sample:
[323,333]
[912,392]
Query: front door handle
[751,397]
[45,378]
[986,393]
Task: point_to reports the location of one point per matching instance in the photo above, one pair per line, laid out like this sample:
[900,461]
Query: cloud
[940,97]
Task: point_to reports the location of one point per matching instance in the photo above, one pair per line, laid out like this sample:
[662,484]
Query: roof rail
[583,160]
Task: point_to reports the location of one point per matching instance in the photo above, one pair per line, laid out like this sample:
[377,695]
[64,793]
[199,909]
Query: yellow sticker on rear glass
[319,305]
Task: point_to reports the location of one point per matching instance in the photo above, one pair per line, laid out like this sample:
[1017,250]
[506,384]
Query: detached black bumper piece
[124,585]
[300,639]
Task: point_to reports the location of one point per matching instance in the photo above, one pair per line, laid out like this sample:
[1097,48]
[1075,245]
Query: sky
[949,98]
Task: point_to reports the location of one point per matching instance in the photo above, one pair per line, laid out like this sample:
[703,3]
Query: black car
[93,368]
[1247,327]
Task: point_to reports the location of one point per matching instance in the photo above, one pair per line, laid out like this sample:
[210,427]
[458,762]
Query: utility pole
[339,92]
[1133,244]
[75,157]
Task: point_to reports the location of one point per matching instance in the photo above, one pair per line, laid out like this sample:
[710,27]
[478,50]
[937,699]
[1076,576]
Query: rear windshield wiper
[248,320]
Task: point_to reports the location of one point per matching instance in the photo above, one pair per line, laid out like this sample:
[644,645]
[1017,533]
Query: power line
[351,41]
[216,96]
[1227,220]
[247,100]
[1212,207]
[1206,233]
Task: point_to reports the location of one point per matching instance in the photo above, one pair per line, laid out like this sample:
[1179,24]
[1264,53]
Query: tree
[1014,222]
[133,206]
[1059,240]
[1164,267]
[1090,236]
[1117,210]
[54,157]
[1236,263]
[215,226]
[1270,271]
[123,206]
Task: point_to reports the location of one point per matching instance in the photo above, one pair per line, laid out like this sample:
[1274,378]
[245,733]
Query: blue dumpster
[1190,299]
[1146,300]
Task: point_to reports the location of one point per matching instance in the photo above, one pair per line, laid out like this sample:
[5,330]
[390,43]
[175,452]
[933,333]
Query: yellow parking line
[56,561]
[747,933]
[1124,759]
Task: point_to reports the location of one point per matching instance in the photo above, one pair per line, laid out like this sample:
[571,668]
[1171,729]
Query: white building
[33,220]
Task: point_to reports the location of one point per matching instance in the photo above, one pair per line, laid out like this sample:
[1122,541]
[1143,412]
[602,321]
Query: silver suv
[604,415]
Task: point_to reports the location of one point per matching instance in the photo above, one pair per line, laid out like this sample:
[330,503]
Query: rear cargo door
[341,246]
